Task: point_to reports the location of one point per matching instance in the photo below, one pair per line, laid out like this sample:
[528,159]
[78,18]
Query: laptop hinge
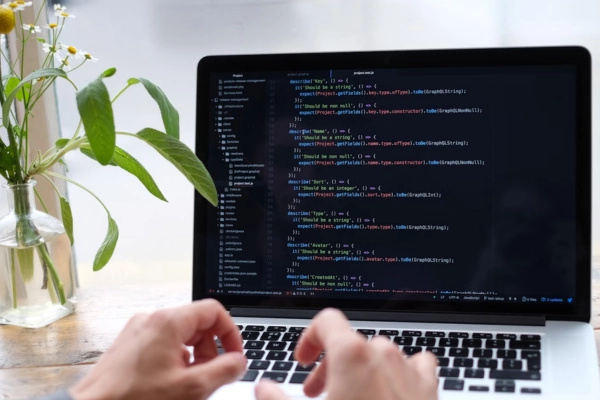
[446,318]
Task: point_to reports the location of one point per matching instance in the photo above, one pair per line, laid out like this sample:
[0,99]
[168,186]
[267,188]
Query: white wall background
[164,40]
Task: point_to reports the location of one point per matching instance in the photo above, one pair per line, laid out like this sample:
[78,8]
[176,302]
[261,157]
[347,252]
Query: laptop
[441,198]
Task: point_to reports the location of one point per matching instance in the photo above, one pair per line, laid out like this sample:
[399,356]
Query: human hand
[355,369]
[149,359]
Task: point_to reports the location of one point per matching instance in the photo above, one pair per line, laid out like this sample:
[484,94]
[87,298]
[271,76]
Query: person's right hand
[355,369]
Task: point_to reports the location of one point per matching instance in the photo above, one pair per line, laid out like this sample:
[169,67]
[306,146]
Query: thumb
[221,370]
[268,390]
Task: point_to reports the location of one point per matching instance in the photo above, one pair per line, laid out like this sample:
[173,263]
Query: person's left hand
[149,359]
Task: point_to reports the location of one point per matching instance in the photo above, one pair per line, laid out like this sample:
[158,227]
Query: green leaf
[169,114]
[40,73]
[41,40]
[24,92]
[67,218]
[95,109]
[60,143]
[133,166]
[184,160]
[126,161]
[88,152]
[25,257]
[107,248]
[133,81]
[6,158]
[109,72]
[11,84]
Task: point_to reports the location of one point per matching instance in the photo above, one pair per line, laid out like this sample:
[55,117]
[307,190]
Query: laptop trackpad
[569,366]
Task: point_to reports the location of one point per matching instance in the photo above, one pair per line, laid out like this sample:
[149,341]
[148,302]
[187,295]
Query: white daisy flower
[51,26]
[14,5]
[88,56]
[31,28]
[57,7]
[49,48]
[24,3]
[63,14]
[73,52]
[2,41]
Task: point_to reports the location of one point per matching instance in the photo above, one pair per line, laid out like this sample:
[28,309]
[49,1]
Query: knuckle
[137,320]
[426,358]
[389,350]
[355,349]
[159,319]
[385,348]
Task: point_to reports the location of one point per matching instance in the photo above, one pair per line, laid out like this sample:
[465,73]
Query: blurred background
[164,40]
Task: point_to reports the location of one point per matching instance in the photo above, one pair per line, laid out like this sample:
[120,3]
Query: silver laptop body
[441,198]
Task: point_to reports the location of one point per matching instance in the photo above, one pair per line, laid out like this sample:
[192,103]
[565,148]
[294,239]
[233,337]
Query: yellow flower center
[7,20]
[64,14]
[20,2]
[14,4]
[52,25]
[72,50]
[88,56]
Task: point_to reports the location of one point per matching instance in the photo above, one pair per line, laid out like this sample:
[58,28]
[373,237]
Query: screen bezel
[579,57]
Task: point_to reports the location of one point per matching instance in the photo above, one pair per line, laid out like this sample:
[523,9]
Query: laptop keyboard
[464,358]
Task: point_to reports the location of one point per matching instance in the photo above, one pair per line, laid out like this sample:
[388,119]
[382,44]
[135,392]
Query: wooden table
[40,361]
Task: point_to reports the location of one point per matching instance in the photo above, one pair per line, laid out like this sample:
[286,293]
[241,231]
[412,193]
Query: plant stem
[43,251]
[13,277]
[25,133]
[13,144]
[120,93]
[53,185]
[21,55]
[64,178]
[46,164]
[77,130]
[41,201]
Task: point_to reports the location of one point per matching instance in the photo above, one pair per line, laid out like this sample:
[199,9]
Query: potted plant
[36,287]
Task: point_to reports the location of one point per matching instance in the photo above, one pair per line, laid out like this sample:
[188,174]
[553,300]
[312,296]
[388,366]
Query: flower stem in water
[53,274]
[13,278]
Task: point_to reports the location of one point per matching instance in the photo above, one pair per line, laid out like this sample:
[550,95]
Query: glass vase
[36,280]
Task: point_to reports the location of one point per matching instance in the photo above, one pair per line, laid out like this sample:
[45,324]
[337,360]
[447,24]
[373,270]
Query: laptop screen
[452,184]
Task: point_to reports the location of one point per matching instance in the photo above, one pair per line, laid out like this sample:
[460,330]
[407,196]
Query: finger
[267,390]
[384,349]
[425,364]
[327,331]
[205,349]
[210,376]
[314,385]
[391,364]
[205,317]
[185,355]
